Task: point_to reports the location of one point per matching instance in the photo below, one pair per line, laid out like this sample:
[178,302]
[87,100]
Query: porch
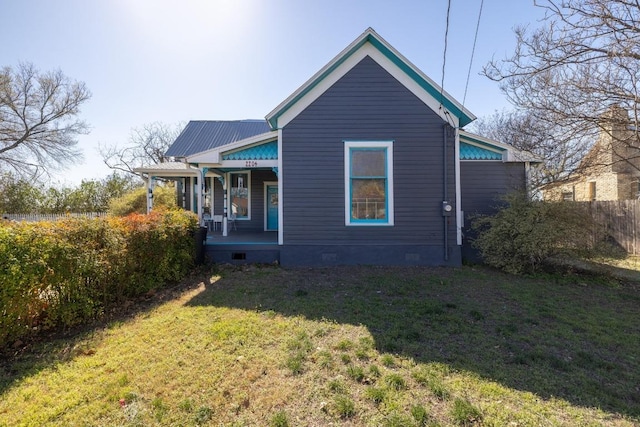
[243,247]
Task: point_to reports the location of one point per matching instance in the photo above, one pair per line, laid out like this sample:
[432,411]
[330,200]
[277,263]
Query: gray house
[366,163]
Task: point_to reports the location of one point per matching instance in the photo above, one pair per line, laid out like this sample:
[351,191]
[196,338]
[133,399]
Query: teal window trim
[352,147]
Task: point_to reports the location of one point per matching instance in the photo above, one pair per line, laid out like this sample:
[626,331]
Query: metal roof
[203,135]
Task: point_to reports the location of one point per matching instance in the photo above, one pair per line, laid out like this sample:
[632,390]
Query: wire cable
[473,50]
[444,58]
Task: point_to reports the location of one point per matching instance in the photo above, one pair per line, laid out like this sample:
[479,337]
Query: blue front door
[272,207]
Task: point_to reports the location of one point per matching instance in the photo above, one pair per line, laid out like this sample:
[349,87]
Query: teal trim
[268,151]
[463,118]
[445,101]
[386,186]
[473,152]
[273,122]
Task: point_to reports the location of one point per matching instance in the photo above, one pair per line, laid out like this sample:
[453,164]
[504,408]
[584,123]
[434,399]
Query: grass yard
[352,346]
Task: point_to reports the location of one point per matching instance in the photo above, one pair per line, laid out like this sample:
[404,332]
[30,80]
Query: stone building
[610,170]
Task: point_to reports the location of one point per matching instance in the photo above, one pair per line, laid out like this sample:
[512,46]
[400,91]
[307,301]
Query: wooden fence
[50,217]
[620,220]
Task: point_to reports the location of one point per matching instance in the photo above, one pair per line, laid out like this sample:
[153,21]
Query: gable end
[372,45]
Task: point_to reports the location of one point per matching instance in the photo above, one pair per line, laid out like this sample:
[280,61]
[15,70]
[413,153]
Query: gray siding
[367,103]
[482,184]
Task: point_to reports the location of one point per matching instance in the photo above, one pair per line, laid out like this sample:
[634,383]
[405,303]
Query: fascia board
[484,142]
[272,117]
[366,50]
[247,164]
[214,155]
[370,44]
[169,173]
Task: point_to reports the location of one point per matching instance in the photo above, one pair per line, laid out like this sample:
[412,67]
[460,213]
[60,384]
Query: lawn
[352,346]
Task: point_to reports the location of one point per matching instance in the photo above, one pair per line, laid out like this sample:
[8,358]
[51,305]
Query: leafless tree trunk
[39,119]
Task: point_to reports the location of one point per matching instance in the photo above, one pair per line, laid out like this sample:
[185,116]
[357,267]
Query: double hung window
[368,182]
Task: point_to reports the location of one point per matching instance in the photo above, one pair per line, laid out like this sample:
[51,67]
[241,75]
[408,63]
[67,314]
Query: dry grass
[347,346]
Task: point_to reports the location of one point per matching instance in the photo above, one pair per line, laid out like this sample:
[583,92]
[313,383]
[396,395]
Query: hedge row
[59,274]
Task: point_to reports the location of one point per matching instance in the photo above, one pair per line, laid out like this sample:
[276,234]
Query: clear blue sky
[178,60]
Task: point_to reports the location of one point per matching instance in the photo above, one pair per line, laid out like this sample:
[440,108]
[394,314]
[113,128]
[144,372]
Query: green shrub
[520,237]
[135,201]
[60,274]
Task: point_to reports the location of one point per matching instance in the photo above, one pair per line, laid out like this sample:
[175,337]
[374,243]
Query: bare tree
[537,134]
[146,146]
[39,119]
[570,72]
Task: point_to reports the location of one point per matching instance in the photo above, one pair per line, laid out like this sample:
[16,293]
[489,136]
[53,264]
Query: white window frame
[348,145]
[248,186]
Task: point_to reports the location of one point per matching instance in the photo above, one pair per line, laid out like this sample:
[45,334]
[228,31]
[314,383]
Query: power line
[444,58]
[473,50]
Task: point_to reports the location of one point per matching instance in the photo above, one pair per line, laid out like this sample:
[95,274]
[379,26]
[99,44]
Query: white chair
[231,220]
[207,221]
[217,219]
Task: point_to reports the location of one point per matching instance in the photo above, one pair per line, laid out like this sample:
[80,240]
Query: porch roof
[234,151]
[476,147]
[168,169]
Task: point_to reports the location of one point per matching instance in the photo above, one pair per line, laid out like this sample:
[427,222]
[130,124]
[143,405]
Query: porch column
[198,196]
[202,186]
[212,207]
[150,185]
[224,181]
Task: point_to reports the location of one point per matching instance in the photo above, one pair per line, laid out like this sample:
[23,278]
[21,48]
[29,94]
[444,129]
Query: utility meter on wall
[447,209]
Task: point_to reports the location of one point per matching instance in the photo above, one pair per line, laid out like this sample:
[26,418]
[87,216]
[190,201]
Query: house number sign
[251,164]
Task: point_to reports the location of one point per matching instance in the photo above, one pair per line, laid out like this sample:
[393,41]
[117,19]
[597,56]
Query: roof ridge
[228,121]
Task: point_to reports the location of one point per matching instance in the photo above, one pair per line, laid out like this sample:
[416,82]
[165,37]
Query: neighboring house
[365,163]
[610,170]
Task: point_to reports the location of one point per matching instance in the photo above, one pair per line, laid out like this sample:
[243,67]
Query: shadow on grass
[42,351]
[570,337]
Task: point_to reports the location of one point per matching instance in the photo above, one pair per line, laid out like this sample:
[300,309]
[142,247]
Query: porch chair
[217,221]
[207,221]
[231,220]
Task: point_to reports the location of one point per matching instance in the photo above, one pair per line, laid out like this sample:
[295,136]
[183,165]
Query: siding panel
[482,183]
[366,104]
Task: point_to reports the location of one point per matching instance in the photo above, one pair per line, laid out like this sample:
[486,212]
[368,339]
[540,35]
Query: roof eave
[513,154]
[433,89]
[213,155]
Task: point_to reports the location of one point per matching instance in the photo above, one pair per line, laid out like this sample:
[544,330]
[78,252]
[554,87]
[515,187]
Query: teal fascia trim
[446,102]
[473,152]
[274,120]
[268,151]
